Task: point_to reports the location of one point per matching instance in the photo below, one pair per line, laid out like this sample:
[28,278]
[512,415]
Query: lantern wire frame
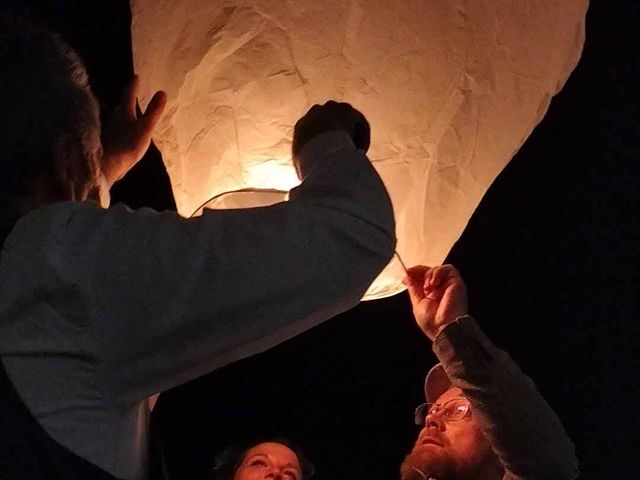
[241,190]
[268,190]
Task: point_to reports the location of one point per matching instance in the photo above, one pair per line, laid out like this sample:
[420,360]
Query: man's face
[449,450]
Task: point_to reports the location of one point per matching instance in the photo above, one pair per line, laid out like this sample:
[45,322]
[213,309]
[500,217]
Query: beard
[408,471]
[422,465]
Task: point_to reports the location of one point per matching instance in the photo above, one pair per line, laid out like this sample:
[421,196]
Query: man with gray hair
[484,419]
[101,308]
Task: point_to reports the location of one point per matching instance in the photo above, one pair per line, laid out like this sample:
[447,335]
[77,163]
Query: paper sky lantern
[452,89]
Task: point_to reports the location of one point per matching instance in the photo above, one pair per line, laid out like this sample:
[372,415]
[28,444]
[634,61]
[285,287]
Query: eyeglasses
[451,410]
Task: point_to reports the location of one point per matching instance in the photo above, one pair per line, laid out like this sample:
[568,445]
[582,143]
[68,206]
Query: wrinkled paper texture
[452,88]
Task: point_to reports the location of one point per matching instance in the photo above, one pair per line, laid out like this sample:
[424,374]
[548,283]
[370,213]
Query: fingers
[421,277]
[429,278]
[442,274]
[150,118]
[312,111]
[415,281]
[362,133]
[415,275]
[417,270]
[130,96]
[154,111]
[439,276]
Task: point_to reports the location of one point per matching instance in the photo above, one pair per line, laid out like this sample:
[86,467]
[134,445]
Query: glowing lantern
[451,89]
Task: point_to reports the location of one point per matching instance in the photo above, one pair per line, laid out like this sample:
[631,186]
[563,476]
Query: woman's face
[269,461]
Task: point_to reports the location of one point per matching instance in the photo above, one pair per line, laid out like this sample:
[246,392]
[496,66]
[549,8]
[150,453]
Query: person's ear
[70,172]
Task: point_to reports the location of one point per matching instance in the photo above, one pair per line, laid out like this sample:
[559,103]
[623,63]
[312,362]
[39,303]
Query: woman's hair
[230,459]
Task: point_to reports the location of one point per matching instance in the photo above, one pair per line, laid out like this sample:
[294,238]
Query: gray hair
[44,96]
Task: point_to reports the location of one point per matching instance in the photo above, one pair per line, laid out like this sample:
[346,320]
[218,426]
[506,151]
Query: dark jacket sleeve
[524,431]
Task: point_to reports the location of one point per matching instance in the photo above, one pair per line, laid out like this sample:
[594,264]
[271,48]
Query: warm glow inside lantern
[452,89]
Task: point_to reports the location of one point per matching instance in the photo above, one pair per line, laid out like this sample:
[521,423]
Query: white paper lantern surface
[451,88]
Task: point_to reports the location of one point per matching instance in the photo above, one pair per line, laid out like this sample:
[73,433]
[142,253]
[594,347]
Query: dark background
[550,259]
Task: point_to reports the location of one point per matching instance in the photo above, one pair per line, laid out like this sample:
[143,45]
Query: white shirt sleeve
[175,298]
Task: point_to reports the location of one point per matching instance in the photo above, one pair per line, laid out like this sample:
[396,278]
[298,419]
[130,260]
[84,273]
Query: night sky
[549,257]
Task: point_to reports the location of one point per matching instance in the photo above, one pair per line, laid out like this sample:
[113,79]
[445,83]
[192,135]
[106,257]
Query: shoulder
[46,223]
[74,221]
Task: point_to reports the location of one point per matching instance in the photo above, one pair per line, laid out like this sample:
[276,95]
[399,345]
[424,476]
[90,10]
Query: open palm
[126,136]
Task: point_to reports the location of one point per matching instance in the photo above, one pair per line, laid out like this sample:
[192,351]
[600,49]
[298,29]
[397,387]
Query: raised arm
[176,298]
[523,430]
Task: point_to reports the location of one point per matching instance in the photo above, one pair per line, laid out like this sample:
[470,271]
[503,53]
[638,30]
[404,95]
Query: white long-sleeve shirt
[102,308]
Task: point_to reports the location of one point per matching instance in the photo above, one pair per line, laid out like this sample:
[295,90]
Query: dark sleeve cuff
[462,342]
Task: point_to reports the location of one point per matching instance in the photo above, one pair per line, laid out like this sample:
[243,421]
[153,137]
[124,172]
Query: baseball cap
[436,383]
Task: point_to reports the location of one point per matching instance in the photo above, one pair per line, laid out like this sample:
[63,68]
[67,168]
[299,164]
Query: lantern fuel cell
[451,91]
